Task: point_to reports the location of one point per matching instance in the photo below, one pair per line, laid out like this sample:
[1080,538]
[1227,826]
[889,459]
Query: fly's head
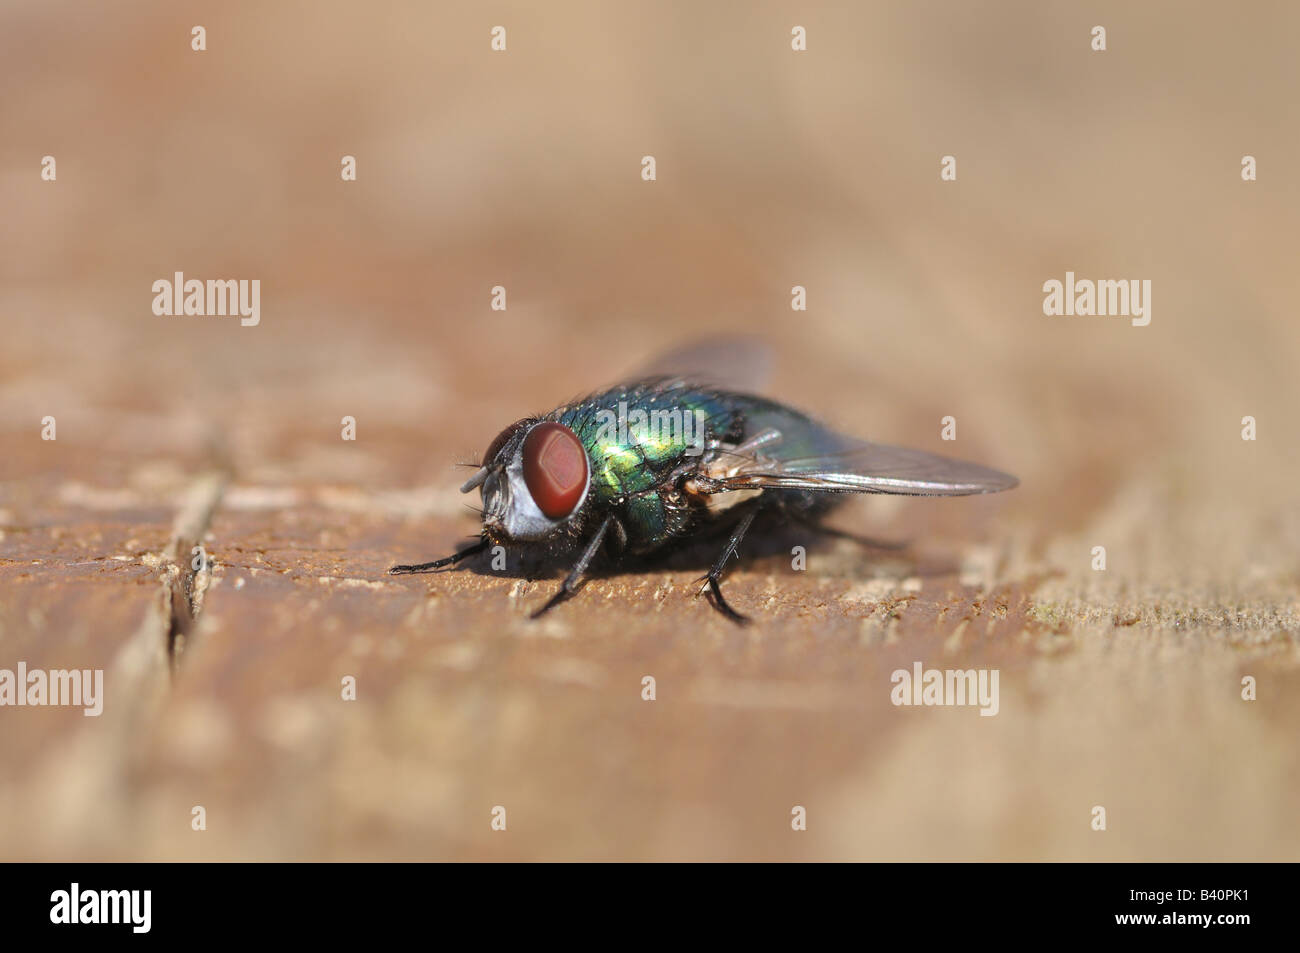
[534,480]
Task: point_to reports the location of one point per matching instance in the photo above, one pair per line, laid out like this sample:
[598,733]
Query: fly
[683,449]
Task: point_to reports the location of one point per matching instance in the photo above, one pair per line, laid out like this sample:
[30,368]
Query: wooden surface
[1119,688]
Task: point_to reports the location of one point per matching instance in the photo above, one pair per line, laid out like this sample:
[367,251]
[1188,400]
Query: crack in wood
[187,567]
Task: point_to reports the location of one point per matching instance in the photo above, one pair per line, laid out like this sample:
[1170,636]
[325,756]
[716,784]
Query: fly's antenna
[475,481]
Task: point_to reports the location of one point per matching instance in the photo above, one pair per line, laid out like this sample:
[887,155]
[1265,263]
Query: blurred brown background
[475,168]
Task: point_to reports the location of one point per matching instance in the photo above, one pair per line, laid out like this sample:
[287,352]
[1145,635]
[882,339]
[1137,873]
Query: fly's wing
[736,363]
[791,452]
[787,450]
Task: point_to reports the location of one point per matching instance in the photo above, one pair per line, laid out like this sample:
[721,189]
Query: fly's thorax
[641,436]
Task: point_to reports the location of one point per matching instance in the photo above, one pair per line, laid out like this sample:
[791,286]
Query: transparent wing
[736,363]
[824,461]
[787,450]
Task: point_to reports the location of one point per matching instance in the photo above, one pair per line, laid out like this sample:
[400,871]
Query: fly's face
[534,478]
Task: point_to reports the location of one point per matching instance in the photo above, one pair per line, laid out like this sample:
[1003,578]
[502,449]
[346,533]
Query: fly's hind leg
[715,574]
[864,541]
[797,510]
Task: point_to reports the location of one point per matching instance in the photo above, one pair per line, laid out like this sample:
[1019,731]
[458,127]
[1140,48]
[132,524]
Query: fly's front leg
[715,574]
[478,547]
[575,574]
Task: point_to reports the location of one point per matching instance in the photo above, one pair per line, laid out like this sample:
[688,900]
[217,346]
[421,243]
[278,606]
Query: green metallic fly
[684,448]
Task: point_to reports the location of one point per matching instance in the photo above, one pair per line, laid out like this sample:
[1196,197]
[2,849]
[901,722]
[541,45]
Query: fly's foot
[715,599]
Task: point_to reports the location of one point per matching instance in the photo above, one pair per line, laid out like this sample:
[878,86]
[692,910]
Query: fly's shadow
[774,534]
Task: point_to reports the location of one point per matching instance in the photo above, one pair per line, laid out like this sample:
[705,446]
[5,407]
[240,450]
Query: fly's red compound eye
[555,468]
[502,438]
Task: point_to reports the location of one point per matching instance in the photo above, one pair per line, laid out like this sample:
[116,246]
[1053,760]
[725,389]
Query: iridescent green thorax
[645,441]
[639,434]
